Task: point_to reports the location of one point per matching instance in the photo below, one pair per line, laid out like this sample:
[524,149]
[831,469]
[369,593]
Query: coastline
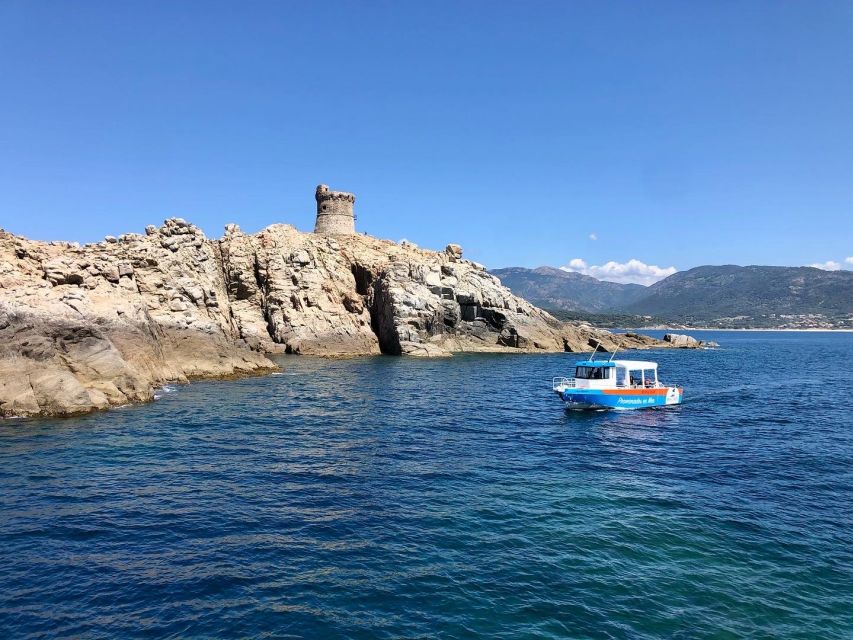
[88,327]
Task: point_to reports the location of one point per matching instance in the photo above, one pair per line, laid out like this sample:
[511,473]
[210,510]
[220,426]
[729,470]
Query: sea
[389,497]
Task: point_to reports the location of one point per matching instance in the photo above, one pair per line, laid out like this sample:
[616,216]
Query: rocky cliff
[86,327]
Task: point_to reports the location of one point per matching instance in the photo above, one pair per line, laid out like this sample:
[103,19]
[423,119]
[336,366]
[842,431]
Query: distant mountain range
[552,288]
[726,295]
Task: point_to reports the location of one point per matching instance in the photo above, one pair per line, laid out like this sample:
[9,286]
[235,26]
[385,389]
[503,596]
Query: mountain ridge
[568,290]
[724,295]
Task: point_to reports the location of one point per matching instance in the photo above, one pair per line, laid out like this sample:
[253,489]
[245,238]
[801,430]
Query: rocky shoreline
[104,324]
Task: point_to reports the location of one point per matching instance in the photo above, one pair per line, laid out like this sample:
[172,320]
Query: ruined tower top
[334,211]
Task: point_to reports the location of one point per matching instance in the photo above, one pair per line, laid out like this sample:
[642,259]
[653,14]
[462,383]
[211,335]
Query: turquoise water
[401,498]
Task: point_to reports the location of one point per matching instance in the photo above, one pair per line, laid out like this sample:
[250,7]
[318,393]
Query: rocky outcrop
[682,341]
[349,295]
[83,328]
[297,292]
[86,327]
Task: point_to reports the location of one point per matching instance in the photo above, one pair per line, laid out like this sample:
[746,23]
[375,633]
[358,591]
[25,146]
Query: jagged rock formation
[347,295]
[84,328]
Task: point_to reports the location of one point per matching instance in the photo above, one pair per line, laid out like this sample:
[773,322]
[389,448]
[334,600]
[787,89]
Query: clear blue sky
[679,133]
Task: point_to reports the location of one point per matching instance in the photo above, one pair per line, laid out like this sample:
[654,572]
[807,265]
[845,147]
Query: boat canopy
[628,364]
[636,364]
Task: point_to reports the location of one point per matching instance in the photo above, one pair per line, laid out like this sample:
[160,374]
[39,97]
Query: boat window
[620,376]
[637,378]
[649,377]
[592,373]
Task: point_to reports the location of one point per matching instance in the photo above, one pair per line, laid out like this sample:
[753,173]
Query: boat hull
[598,399]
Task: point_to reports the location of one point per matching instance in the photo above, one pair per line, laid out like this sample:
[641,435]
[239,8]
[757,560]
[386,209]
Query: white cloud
[592,236]
[849,260]
[829,265]
[632,271]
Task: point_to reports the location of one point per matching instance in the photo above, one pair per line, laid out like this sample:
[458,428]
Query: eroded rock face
[347,295]
[358,295]
[84,328]
[296,292]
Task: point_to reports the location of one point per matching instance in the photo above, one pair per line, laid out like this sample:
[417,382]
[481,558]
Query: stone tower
[334,211]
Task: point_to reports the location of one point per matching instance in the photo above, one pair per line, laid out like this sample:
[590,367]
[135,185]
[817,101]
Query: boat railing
[558,382]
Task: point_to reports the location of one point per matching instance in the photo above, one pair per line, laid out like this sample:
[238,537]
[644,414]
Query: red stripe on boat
[635,392]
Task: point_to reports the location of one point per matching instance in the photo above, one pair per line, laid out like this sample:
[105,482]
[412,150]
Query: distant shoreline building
[334,212]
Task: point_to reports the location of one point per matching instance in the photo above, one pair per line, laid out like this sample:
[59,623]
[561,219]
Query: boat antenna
[592,357]
[614,353]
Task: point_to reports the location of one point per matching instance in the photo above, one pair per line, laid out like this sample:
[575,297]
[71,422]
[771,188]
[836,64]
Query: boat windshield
[591,373]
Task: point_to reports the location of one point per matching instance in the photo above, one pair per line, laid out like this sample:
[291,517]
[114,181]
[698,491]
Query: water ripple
[388,498]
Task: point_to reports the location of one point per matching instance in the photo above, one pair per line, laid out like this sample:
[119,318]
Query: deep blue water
[388,497]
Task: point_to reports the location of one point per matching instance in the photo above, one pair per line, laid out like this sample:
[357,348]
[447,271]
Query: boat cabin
[616,374]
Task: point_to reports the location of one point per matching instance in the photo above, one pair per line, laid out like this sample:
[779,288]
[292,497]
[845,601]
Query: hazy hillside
[557,289]
[729,290]
[725,296]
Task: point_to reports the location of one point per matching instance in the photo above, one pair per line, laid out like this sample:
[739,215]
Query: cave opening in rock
[363,279]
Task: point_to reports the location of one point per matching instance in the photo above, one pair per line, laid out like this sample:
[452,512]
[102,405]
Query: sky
[578,134]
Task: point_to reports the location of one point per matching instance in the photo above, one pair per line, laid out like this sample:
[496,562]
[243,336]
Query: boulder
[454,252]
[59,271]
[683,341]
